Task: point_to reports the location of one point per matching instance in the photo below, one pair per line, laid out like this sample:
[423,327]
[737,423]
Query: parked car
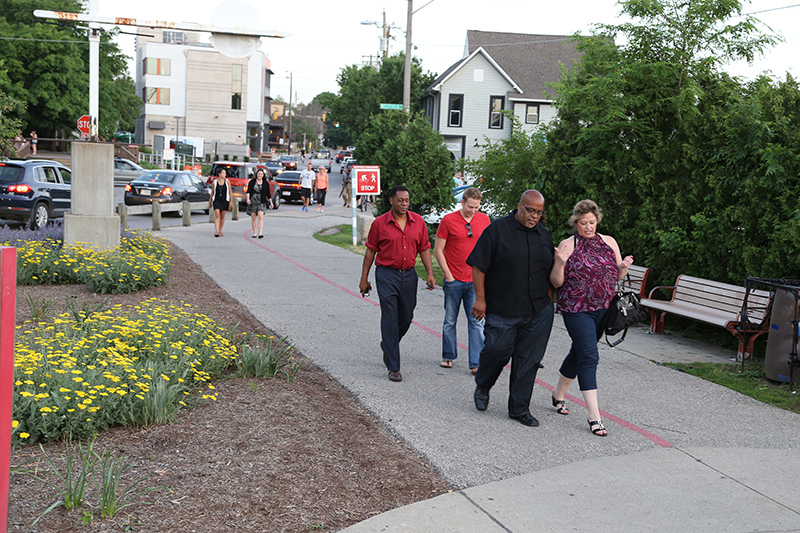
[289,182]
[34,191]
[239,174]
[341,154]
[166,186]
[126,170]
[347,164]
[351,148]
[289,162]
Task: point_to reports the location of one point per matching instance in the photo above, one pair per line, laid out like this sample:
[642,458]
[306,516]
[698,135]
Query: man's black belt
[398,269]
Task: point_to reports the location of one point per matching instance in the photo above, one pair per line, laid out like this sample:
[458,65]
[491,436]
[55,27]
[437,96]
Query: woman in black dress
[221,200]
[258,199]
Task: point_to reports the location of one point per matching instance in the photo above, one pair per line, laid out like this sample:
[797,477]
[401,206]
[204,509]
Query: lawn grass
[751,382]
[344,239]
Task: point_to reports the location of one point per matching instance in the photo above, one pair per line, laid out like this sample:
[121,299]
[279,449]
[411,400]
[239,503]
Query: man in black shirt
[511,265]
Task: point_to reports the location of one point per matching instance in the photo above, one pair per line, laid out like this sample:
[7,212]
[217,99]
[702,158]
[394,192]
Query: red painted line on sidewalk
[608,416]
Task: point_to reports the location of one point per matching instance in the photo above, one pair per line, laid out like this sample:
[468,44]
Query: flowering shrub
[125,366]
[139,262]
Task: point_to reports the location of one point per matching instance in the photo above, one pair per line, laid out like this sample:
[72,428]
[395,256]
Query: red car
[341,154]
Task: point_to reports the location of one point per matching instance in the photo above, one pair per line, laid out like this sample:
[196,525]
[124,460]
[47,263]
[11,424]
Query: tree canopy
[409,153]
[696,172]
[48,70]
[363,89]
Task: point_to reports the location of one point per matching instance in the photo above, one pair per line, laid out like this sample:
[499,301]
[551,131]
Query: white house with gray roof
[499,71]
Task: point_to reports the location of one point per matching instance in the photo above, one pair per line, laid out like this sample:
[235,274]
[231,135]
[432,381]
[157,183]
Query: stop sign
[85,125]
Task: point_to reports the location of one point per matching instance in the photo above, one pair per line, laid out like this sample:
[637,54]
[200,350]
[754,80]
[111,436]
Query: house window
[156,65]
[495,112]
[454,110]
[155,95]
[532,114]
[236,87]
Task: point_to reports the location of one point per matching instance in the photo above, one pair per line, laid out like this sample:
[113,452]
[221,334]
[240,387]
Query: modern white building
[498,72]
[191,90]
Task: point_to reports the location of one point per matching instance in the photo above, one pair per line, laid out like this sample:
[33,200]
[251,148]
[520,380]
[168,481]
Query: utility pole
[407,69]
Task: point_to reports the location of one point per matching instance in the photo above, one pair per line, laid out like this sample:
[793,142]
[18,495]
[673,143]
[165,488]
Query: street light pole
[407,68]
[290,113]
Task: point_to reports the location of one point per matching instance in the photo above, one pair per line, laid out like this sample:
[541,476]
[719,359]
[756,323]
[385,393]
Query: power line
[772,9]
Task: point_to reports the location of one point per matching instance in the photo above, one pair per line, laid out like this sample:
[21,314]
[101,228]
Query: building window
[155,95]
[236,87]
[532,114]
[454,110]
[156,65]
[173,37]
[495,112]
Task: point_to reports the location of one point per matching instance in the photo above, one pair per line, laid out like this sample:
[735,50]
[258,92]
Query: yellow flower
[24,435]
[14,423]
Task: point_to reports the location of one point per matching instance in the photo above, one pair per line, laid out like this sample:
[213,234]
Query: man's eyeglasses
[469,230]
[532,211]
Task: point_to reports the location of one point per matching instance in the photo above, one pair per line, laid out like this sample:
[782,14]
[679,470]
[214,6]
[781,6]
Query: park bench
[744,313]
[638,277]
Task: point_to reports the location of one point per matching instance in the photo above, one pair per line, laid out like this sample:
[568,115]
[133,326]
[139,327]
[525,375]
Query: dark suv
[34,191]
[239,174]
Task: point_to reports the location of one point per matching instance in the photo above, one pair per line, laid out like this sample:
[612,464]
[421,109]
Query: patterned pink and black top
[590,275]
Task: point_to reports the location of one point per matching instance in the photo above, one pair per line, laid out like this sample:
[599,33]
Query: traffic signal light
[323,117]
[336,124]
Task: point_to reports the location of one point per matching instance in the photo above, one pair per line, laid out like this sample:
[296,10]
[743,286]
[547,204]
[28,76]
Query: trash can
[780,338]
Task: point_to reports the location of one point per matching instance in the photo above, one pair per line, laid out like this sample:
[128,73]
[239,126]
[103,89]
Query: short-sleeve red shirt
[396,248]
[453,229]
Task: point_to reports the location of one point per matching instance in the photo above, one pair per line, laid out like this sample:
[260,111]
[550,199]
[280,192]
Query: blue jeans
[525,339]
[455,293]
[582,359]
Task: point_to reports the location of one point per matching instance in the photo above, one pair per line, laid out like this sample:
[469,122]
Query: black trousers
[397,293]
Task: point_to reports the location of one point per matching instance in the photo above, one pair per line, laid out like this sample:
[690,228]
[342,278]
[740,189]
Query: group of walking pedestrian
[503,273]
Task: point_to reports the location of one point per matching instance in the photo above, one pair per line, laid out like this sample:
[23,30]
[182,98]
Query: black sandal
[597,426]
[560,406]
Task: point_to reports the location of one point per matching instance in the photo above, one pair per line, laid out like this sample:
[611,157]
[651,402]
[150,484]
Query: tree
[48,70]
[508,167]
[363,89]
[630,118]
[411,153]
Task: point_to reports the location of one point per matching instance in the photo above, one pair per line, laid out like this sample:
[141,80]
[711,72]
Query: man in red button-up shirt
[395,239]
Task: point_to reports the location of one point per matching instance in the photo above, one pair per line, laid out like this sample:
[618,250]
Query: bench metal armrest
[654,289]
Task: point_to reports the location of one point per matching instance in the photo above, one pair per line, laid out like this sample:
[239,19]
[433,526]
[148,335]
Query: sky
[326,36]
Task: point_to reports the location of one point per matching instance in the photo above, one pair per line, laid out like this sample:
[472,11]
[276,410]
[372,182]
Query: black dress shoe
[481,399]
[395,375]
[527,419]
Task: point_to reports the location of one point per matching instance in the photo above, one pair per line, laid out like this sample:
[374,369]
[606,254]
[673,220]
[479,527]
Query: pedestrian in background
[321,188]
[511,266]
[395,238]
[347,187]
[258,198]
[586,269]
[34,142]
[456,237]
[306,184]
[220,200]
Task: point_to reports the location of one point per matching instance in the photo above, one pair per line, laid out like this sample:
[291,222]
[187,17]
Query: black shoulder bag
[623,312]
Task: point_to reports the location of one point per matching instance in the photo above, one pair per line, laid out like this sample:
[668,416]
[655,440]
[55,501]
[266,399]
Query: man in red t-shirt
[458,232]
[396,237]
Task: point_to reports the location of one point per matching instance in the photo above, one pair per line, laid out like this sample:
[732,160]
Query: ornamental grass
[133,365]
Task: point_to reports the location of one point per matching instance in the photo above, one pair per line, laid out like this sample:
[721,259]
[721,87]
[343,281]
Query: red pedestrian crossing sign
[367,179]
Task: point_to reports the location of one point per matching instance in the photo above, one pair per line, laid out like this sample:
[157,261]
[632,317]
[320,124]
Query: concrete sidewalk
[682,454]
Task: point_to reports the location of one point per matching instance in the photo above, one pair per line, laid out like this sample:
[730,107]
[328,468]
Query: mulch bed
[266,456]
